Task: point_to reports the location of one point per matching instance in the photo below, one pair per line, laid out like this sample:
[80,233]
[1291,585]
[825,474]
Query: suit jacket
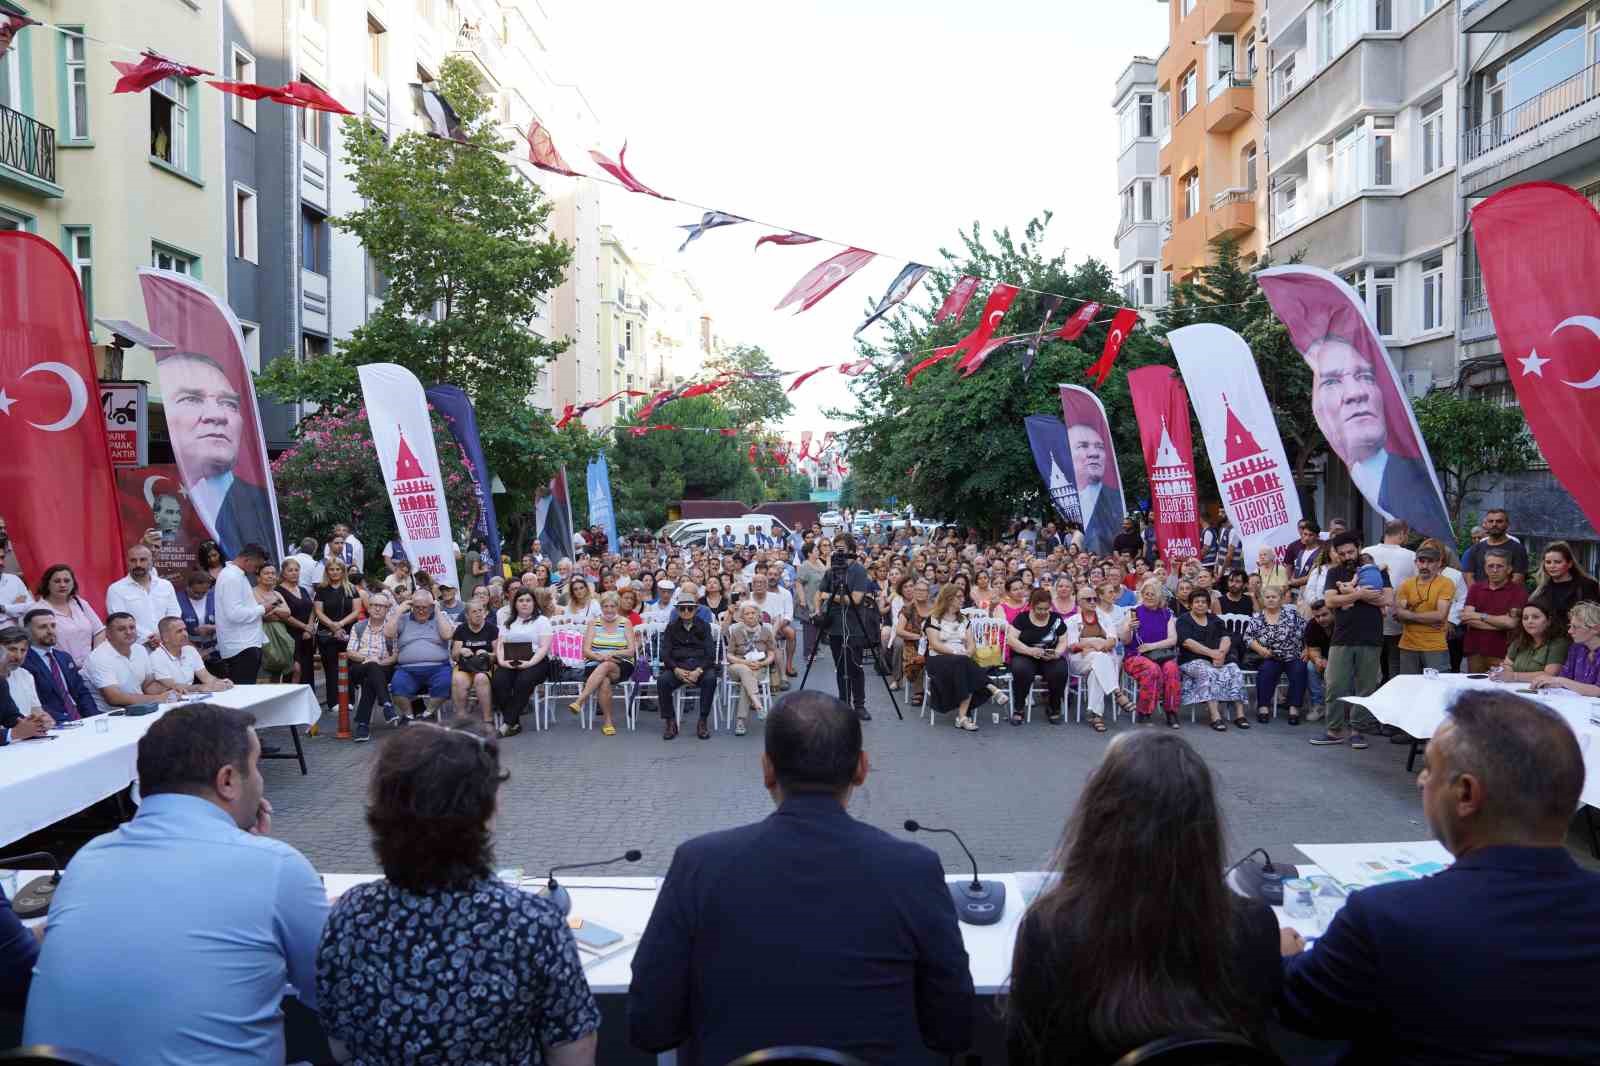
[1407,492]
[9,716]
[1494,960]
[808,927]
[50,696]
[1102,527]
[246,518]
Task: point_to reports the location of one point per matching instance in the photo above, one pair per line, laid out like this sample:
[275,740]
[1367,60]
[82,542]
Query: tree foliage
[461,238]
[1471,439]
[749,402]
[955,447]
[652,472]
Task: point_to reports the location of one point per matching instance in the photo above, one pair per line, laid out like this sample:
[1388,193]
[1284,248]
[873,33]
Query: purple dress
[1583,665]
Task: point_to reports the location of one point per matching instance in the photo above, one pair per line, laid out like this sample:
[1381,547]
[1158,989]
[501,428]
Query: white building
[1143,196]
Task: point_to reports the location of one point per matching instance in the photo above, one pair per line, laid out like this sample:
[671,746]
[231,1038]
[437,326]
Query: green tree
[650,473]
[955,447]
[1470,440]
[748,401]
[461,239]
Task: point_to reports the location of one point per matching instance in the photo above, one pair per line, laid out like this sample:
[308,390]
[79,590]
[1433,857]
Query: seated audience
[522,655]
[371,658]
[881,977]
[752,654]
[190,919]
[1039,640]
[472,653]
[609,650]
[119,669]
[176,667]
[688,660]
[1277,635]
[1581,672]
[77,626]
[1139,938]
[955,682]
[1540,645]
[18,721]
[1153,658]
[1209,675]
[422,654]
[439,960]
[1496,958]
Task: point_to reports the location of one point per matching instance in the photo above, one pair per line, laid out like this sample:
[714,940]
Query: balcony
[377,104]
[314,50]
[314,301]
[314,177]
[1501,16]
[1225,16]
[1230,102]
[1543,137]
[28,153]
[1233,214]
[1476,323]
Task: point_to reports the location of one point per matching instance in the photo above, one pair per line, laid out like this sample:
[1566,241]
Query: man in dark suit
[1496,959]
[15,726]
[63,691]
[806,928]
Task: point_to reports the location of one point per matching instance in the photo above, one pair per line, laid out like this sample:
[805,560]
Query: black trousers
[1055,673]
[667,683]
[330,649]
[514,688]
[848,672]
[305,656]
[374,681]
[243,668]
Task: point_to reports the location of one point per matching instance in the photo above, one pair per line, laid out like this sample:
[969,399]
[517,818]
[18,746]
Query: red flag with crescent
[53,422]
[151,68]
[620,171]
[939,355]
[960,295]
[1539,247]
[823,278]
[786,239]
[994,309]
[1079,321]
[974,362]
[1121,326]
[803,378]
[542,151]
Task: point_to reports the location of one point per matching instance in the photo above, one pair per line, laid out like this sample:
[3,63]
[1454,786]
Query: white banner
[397,412]
[1247,457]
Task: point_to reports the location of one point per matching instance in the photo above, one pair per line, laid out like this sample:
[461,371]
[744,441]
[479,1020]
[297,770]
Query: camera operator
[849,624]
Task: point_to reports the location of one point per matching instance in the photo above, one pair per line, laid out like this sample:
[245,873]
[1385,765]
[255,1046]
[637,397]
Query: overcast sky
[888,124]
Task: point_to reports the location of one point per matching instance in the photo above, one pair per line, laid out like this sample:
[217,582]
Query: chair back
[51,1055]
[795,1056]
[1199,1049]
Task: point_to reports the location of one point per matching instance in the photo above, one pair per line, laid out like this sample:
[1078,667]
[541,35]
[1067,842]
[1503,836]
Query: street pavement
[575,795]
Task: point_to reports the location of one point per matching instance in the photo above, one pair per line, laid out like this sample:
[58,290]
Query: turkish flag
[151,68]
[1121,326]
[1074,326]
[304,94]
[542,151]
[620,171]
[823,278]
[994,309]
[1539,248]
[961,294]
[801,380]
[51,424]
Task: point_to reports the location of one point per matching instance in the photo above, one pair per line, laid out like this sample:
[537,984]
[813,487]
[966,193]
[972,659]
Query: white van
[696,530]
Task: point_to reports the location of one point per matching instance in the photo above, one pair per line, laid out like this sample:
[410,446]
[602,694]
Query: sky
[891,125]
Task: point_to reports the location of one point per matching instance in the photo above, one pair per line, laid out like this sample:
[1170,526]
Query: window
[1188,7]
[1147,115]
[1147,285]
[1286,204]
[1127,207]
[1339,27]
[313,347]
[1147,196]
[1383,300]
[1186,92]
[11,78]
[1191,194]
[1383,15]
[1284,78]
[1433,135]
[1543,80]
[313,241]
[75,80]
[377,280]
[80,253]
[245,226]
[1347,164]
[1164,197]
[1247,167]
[251,333]
[1128,120]
[1250,62]
[311,128]
[11,221]
[1222,55]
[375,39]
[1429,5]
[1433,293]
[169,122]
[1383,150]
[165,258]
[241,110]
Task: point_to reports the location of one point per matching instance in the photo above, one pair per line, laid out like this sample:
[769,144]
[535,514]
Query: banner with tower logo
[1253,473]
[1162,409]
[397,412]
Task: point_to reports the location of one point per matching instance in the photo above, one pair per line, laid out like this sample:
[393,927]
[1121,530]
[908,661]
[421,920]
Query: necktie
[67,701]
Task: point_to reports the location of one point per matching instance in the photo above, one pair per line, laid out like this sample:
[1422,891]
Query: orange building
[1210,105]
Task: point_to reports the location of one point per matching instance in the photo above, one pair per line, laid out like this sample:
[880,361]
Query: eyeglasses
[685,607]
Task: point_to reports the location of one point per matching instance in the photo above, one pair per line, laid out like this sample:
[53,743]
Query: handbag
[277,655]
[1161,655]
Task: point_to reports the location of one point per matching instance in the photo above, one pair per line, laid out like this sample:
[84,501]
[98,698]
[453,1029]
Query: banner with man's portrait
[1094,467]
[153,497]
[212,418]
[1357,398]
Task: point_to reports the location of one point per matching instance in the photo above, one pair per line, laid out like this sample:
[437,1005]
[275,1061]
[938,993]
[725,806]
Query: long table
[44,781]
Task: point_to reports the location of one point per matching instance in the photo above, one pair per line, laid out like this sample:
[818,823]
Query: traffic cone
[344,697]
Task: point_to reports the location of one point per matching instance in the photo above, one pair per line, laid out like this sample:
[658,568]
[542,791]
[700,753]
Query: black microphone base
[561,898]
[33,900]
[983,905]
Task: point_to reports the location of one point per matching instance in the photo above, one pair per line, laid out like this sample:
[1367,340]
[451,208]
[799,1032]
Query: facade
[1529,100]
[575,306]
[1142,199]
[30,128]
[624,327]
[1209,107]
[682,332]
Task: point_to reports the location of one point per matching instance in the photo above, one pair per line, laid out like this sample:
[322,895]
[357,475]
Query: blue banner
[1052,454]
[601,513]
[457,411]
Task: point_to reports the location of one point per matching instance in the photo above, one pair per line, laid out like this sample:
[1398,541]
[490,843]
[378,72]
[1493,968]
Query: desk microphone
[33,900]
[1261,881]
[559,895]
[977,902]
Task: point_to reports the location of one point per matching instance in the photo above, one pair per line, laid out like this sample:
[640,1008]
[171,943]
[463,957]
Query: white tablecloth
[1417,704]
[44,781]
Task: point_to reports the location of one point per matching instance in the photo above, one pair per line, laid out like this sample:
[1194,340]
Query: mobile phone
[590,935]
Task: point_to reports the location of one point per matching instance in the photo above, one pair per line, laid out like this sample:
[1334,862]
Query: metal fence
[27,145]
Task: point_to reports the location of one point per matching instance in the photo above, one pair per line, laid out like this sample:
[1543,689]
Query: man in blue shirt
[171,939]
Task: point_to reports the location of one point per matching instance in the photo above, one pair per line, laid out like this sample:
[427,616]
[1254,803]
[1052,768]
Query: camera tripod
[839,603]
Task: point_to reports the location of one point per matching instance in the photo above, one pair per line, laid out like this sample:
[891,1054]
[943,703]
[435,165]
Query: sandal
[999,695]
[576,706]
[1241,722]
[968,724]
[1263,717]
[608,730]
[1219,725]
[1098,723]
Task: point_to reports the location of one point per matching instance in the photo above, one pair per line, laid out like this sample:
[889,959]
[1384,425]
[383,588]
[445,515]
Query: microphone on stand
[977,902]
[561,898]
[33,899]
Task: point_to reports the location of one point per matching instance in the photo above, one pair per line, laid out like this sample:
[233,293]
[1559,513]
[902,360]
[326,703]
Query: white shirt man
[1399,561]
[238,613]
[176,664]
[123,671]
[144,594]
[353,553]
[24,693]
[14,599]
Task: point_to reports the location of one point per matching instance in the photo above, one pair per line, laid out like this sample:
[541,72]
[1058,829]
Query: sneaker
[1358,741]
[739,728]
[863,714]
[511,730]
[1314,714]
[390,715]
[1327,739]
[363,732]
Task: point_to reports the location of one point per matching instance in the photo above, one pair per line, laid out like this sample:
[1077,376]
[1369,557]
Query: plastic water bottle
[1297,900]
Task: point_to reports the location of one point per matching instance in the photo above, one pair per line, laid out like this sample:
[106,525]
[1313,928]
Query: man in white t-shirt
[1401,564]
[175,664]
[119,668]
[24,693]
[143,593]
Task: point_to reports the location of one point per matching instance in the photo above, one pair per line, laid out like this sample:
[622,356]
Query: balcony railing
[27,145]
[1476,321]
[1233,196]
[1226,81]
[1556,101]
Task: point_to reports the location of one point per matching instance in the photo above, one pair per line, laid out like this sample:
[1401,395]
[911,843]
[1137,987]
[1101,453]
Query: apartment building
[624,325]
[1144,204]
[575,305]
[1209,107]
[682,330]
[1529,91]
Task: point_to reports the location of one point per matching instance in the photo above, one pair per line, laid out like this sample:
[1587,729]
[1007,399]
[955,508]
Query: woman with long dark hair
[208,557]
[1140,938]
[1562,579]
